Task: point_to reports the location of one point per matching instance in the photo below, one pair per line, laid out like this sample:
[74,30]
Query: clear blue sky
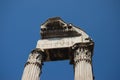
[20,22]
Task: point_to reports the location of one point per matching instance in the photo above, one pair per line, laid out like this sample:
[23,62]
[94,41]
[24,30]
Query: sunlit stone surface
[61,41]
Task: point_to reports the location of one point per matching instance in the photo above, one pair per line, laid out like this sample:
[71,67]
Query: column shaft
[82,64]
[33,66]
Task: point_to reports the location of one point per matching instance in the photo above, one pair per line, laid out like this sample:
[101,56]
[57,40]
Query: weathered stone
[61,41]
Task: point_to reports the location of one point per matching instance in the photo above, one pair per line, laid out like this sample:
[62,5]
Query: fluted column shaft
[82,64]
[33,66]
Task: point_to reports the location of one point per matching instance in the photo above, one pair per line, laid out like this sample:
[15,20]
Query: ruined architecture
[61,41]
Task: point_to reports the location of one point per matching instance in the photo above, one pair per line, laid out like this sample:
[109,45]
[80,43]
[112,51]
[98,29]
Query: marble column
[33,66]
[82,64]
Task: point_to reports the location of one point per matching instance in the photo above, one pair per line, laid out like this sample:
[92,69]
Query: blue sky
[20,22]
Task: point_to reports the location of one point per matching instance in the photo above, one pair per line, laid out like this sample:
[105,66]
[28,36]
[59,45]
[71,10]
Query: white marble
[83,68]
[32,69]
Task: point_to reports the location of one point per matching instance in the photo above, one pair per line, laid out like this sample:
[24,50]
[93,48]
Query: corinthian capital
[82,53]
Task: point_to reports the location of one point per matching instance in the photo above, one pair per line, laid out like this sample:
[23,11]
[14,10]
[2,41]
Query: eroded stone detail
[82,54]
[33,66]
[82,62]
